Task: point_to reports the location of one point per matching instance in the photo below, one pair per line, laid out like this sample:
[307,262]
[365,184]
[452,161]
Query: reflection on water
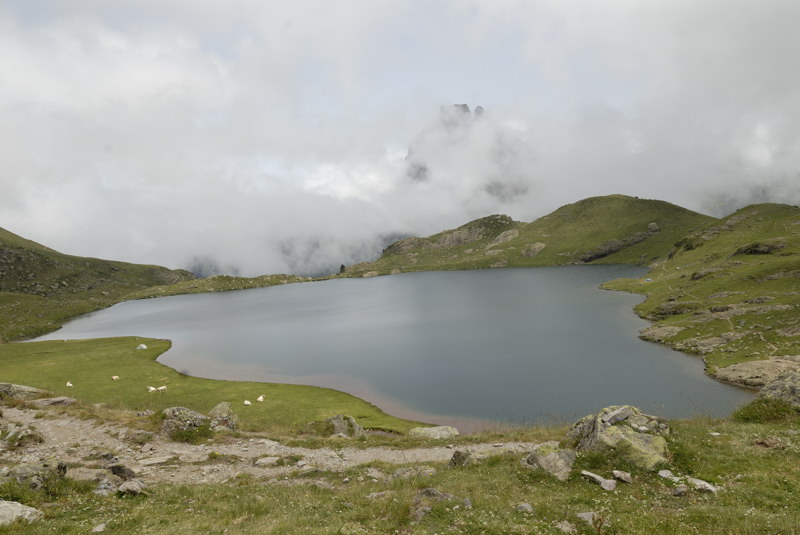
[513,345]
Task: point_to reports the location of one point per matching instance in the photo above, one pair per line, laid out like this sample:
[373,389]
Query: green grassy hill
[611,229]
[40,287]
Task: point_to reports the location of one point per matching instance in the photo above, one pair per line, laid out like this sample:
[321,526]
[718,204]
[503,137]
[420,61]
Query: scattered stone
[421,504]
[411,472]
[122,472]
[346,426]
[566,527]
[785,387]
[438,432]
[182,419]
[590,517]
[10,390]
[99,528]
[147,447]
[16,436]
[50,402]
[625,477]
[105,487]
[223,418]
[701,486]
[552,459]
[134,487]
[680,490]
[605,484]
[11,512]
[267,461]
[616,430]
[667,474]
[525,508]
[460,458]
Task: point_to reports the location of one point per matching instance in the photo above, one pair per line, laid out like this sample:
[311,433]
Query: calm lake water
[517,346]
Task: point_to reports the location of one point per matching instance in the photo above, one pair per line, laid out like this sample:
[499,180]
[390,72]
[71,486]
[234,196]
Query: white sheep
[162,388]
[260,398]
[69,384]
[247,403]
[115,377]
[151,389]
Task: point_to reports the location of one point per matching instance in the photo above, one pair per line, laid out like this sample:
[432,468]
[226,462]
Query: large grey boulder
[182,419]
[10,390]
[344,425]
[785,387]
[441,431]
[223,417]
[36,475]
[624,431]
[12,511]
[551,458]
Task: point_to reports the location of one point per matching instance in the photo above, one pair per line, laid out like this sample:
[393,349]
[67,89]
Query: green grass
[759,489]
[90,364]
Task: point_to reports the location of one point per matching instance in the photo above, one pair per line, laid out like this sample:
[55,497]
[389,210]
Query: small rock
[701,486]
[141,346]
[567,527]
[605,484]
[267,461]
[667,474]
[99,528]
[223,417]
[680,490]
[147,447]
[552,459]
[525,508]
[590,517]
[374,473]
[163,459]
[625,477]
[378,495]
[460,458]
[105,487]
[714,434]
[11,512]
[133,487]
[410,472]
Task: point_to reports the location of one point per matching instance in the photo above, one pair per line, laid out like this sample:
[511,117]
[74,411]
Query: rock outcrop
[785,387]
[223,417]
[552,459]
[12,511]
[624,431]
[346,426]
[182,419]
[10,390]
[756,373]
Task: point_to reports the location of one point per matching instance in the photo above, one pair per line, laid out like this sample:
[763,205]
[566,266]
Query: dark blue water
[513,345]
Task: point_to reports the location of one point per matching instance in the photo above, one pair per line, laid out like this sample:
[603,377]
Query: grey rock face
[785,387]
[182,419]
[223,417]
[10,390]
[12,511]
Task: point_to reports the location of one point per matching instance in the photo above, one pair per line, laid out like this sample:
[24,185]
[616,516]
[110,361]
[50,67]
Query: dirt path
[83,443]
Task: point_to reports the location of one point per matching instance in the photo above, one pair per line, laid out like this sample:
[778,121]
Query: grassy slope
[90,364]
[711,268]
[567,235]
[40,288]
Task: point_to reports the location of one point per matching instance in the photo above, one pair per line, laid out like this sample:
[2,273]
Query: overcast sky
[266,136]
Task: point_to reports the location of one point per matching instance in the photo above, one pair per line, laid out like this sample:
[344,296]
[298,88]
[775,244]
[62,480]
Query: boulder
[552,459]
[38,475]
[16,436]
[133,487]
[223,417]
[10,512]
[460,458]
[605,484]
[785,387]
[10,390]
[182,419]
[346,426]
[624,431]
[438,432]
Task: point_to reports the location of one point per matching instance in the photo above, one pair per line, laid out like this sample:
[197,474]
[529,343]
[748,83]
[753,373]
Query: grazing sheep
[247,403]
[151,389]
[141,346]
[115,377]
[260,398]
[69,384]
[162,388]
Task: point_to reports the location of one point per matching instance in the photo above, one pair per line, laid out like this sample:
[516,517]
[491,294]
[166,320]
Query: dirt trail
[81,444]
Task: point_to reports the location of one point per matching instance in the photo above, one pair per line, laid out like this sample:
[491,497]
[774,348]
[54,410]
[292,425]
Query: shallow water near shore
[472,348]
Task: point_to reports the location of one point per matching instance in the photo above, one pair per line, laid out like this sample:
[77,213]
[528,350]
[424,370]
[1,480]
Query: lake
[502,346]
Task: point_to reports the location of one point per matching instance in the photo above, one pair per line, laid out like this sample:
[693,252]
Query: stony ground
[89,449]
